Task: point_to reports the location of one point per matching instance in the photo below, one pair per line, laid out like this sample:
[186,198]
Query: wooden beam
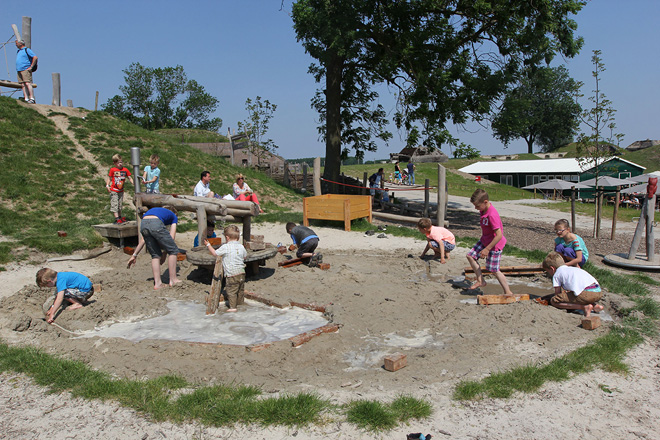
[500,299]
[216,286]
[512,270]
[12,84]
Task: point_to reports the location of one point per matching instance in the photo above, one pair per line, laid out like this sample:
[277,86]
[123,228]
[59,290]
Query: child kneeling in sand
[571,246]
[437,238]
[306,241]
[70,286]
[233,256]
[575,288]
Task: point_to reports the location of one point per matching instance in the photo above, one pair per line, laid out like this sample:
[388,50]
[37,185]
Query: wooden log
[402,218]
[201,223]
[291,262]
[510,269]
[316,176]
[241,205]
[57,89]
[211,206]
[216,286]
[500,299]
[12,84]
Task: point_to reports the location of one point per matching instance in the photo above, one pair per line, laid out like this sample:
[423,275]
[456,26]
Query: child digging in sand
[575,288]
[73,287]
[233,265]
[490,244]
[437,238]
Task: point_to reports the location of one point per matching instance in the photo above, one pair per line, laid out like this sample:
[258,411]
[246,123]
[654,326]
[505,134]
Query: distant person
[571,246]
[377,181]
[411,172]
[202,188]
[397,173]
[306,241]
[243,192]
[210,232]
[440,239]
[491,243]
[575,288]
[233,255]
[71,287]
[25,62]
[155,234]
[114,182]
[151,176]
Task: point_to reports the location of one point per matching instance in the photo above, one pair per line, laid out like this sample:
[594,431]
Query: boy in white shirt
[575,288]
[233,256]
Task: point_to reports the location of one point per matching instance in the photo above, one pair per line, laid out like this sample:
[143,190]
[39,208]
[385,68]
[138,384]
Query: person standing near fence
[25,62]
[411,172]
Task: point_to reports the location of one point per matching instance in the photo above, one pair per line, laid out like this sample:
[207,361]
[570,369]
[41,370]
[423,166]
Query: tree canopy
[163,97]
[541,109]
[448,61]
[256,126]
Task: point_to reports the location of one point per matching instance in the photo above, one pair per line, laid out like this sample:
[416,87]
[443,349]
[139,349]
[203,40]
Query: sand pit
[384,300]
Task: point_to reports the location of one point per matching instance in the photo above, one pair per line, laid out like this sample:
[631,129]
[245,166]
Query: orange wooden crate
[339,207]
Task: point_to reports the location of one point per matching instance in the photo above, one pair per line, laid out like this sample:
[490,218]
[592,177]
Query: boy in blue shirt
[70,286]
[151,176]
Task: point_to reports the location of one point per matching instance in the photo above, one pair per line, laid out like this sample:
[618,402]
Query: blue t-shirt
[72,280]
[165,215]
[196,241]
[151,173]
[22,60]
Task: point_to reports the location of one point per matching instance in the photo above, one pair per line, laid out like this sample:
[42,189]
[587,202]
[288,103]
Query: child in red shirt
[114,183]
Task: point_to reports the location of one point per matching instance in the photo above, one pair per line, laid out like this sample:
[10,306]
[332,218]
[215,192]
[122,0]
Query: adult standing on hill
[25,62]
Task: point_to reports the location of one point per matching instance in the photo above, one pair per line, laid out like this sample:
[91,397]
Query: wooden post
[69,103]
[56,89]
[216,286]
[16,33]
[201,224]
[599,200]
[573,225]
[639,231]
[616,211]
[364,184]
[247,228]
[650,236]
[426,197]
[286,175]
[96,101]
[442,195]
[27,31]
[231,145]
[304,176]
[317,176]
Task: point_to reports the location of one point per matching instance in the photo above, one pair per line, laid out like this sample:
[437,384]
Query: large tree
[541,109]
[163,97]
[447,60]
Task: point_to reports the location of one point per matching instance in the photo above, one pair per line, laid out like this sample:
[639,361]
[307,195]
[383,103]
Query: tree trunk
[333,80]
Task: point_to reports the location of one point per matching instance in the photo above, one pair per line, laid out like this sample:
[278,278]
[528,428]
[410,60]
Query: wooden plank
[500,299]
[216,286]
[12,84]
[513,270]
[291,262]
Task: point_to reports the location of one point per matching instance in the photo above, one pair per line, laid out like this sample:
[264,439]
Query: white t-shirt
[572,278]
[201,190]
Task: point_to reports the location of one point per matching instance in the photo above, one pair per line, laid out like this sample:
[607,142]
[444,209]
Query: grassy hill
[54,164]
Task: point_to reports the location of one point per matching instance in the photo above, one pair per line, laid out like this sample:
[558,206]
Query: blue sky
[240,49]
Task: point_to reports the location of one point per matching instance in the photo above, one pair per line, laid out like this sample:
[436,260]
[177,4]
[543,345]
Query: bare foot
[587,310]
[75,306]
[477,284]
[177,281]
[159,286]
[232,310]
[598,308]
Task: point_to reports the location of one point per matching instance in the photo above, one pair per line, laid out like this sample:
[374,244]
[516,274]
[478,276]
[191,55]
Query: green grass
[218,405]
[47,185]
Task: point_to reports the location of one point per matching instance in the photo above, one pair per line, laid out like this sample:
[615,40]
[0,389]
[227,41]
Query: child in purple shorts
[490,244]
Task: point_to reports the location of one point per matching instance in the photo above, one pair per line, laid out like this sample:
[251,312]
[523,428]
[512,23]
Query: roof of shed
[548,166]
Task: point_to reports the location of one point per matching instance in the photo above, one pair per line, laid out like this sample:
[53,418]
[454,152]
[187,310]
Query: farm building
[521,173]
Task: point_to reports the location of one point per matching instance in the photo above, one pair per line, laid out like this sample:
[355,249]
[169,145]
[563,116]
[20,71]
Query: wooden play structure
[633,259]
[338,207]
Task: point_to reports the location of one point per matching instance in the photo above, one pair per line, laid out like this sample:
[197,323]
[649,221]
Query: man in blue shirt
[25,61]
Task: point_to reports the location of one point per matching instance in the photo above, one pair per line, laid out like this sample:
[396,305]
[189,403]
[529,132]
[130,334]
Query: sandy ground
[385,300]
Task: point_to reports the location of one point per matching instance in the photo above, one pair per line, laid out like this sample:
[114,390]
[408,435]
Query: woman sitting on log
[243,192]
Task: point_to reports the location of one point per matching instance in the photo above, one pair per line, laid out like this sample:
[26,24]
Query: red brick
[324,266]
[591,323]
[257,238]
[395,361]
